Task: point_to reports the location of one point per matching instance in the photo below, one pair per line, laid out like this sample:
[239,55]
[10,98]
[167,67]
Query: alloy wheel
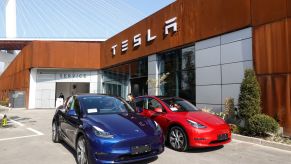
[81,151]
[177,139]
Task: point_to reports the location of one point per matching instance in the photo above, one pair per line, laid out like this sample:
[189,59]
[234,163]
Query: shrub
[261,125]
[4,103]
[229,110]
[250,96]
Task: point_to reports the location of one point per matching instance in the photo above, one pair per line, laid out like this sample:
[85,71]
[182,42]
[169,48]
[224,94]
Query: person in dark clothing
[131,101]
[62,96]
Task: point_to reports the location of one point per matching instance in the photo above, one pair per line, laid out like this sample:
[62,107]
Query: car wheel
[178,139]
[82,156]
[55,133]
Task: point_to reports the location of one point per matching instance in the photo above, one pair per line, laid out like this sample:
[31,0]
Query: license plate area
[222,137]
[140,149]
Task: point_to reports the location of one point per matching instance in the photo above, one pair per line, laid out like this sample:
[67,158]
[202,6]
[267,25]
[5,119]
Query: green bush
[250,96]
[261,125]
[229,110]
[4,103]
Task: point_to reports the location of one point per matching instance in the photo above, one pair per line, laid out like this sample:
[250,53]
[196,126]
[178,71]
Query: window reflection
[117,80]
[181,66]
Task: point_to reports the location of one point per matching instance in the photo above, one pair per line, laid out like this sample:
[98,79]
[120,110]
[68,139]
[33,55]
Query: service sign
[72,75]
[170,24]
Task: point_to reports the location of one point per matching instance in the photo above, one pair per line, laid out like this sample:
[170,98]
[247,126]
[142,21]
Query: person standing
[131,101]
[62,96]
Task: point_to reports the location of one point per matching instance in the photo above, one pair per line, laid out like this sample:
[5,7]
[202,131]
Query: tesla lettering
[170,24]
[149,37]
[137,40]
[114,49]
[124,45]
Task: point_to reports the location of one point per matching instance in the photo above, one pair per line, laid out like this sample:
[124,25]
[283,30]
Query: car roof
[93,95]
[161,97]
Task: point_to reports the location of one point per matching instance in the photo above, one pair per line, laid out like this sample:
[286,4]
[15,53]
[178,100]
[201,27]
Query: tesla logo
[169,24]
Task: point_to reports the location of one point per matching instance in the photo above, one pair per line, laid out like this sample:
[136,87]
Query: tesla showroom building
[195,49]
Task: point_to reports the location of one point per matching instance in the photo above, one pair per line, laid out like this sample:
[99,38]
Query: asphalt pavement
[27,140]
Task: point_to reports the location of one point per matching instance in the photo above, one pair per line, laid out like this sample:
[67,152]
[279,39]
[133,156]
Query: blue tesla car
[105,129]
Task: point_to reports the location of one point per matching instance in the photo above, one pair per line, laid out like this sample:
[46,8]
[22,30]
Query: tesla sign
[169,24]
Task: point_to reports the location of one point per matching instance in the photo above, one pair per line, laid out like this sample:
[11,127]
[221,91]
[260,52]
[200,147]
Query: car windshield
[94,105]
[179,105]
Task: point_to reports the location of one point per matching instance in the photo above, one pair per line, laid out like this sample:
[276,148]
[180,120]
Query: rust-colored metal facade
[40,54]
[197,20]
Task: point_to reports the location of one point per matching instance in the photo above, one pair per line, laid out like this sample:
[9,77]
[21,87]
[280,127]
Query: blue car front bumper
[119,150]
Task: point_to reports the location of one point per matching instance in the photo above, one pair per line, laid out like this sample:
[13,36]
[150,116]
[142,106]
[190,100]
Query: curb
[262,142]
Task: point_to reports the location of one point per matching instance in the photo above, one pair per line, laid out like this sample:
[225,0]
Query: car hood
[205,118]
[128,124]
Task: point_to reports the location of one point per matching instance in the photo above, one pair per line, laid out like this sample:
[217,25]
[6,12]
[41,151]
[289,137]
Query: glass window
[180,64]
[151,104]
[179,105]
[188,58]
[94,105]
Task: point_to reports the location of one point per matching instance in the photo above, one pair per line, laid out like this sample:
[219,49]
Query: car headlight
[101,133]
[196,125]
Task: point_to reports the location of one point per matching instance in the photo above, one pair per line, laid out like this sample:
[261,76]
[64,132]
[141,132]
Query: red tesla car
[183,124]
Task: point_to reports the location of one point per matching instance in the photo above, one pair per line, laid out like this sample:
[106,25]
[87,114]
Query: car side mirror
[158,110]
[71,113]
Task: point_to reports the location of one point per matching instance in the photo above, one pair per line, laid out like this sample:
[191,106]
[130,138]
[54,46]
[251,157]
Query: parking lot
[27,139]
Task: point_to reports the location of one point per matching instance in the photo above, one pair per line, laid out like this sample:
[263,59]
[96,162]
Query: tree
[250,96]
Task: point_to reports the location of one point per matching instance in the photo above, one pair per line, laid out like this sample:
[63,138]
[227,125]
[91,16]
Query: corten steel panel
[94,55]
[12,45]
[276,96]
[289,42]
[208,18]
[287,117]
[236,14]
[270,48]
[289,8]
[66,55]
[48,55]
[156,24]
[27,57]
[196,19]
[265,11]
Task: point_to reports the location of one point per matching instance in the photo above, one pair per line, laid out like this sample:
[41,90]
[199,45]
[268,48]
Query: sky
[84,19]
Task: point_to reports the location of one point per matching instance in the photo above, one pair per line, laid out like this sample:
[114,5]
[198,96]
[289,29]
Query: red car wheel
[178,139]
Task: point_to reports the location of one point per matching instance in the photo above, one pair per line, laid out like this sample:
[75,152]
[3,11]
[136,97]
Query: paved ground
[30,143]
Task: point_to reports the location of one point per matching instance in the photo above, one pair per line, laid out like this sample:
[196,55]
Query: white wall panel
[208,75]
[237,35]
[234,73]
[208,57]
[236,51]
[93,88]
[212,42]
[220,65]
[231,90]
[208,94]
